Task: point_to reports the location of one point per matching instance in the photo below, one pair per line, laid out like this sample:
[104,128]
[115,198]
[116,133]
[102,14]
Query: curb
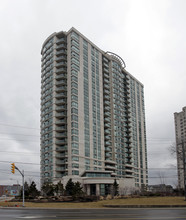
[144,206]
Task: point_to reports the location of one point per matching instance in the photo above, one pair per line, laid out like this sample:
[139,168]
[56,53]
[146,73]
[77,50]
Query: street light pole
[22,174]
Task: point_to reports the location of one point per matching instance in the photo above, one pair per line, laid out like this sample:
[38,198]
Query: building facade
[180,130]
[92,114]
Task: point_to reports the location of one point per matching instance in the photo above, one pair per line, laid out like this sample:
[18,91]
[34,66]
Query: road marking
[36,217]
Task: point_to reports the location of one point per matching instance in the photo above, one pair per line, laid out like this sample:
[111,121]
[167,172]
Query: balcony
[107,119]
[61,64]
[61,155]
[107,167]
[107,137]
[61,46]
[62,94]
[61,89]
[107,108]
[61,82]
[108,132]
[62,135]
[60,162]
[107,125]
[107,114]
[108,143]
[61,52]
[60,169]
[60,102]
[59,41]
[106,86]
[61,109]
[61,58]
[61,76]
[61,70]
[106,80]
[61,115]
[108,149]
[108,154]
[107,103]
[61,149]
[61,129]
[106,91]
[129,165]
[128,175]
[107,97]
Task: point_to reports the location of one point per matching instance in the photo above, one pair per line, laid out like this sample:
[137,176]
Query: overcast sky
[148,34]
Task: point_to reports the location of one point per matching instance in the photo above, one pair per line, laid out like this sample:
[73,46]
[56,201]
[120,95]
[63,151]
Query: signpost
[13,168]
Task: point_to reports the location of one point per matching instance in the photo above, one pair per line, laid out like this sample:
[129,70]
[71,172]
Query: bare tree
[161,176]
[176,151]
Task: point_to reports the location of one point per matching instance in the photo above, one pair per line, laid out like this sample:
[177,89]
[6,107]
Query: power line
[13,152]
[19,162]
[22,134]
[18,126]
[7,139]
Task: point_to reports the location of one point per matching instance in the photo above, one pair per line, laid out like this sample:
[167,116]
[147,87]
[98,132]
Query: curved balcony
[61,46]
[61,40]
[60,102]
[60,129]
[108,143]
[107,125]
[61,148]
[107,132]
[107,114]
[60,82]
[107,137]
[61,155]
[106,80]
[60,169]
[106,86]
[108,149]
[61,95]
[61,64]
[61,135]
[61,89]
[61,76]
[61,52]
[107,103]
[61,70]
[106,91]
[61,115]
[109,167]
[61,58]
[106,97]
[60,162]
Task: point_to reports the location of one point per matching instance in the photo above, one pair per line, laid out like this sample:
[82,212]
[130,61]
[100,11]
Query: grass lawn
[99,204]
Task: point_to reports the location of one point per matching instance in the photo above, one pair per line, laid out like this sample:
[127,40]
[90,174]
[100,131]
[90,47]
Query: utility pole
[13,168]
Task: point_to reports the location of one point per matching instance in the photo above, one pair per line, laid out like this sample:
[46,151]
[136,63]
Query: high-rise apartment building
[92,115]
[180,128]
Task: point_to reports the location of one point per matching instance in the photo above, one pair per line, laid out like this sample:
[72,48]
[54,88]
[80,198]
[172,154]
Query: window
[75,158]
[74,104]
[75,172]
[74,110]
[75,145]
[74,118]
[75,165]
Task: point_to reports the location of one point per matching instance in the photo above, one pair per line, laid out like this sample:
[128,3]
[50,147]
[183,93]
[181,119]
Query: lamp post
[13,167]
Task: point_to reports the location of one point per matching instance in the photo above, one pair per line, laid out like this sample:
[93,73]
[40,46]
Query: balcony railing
[61,88]
[62,135]
[61,149]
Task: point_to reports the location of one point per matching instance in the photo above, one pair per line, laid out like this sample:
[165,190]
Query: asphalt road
[72,214]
